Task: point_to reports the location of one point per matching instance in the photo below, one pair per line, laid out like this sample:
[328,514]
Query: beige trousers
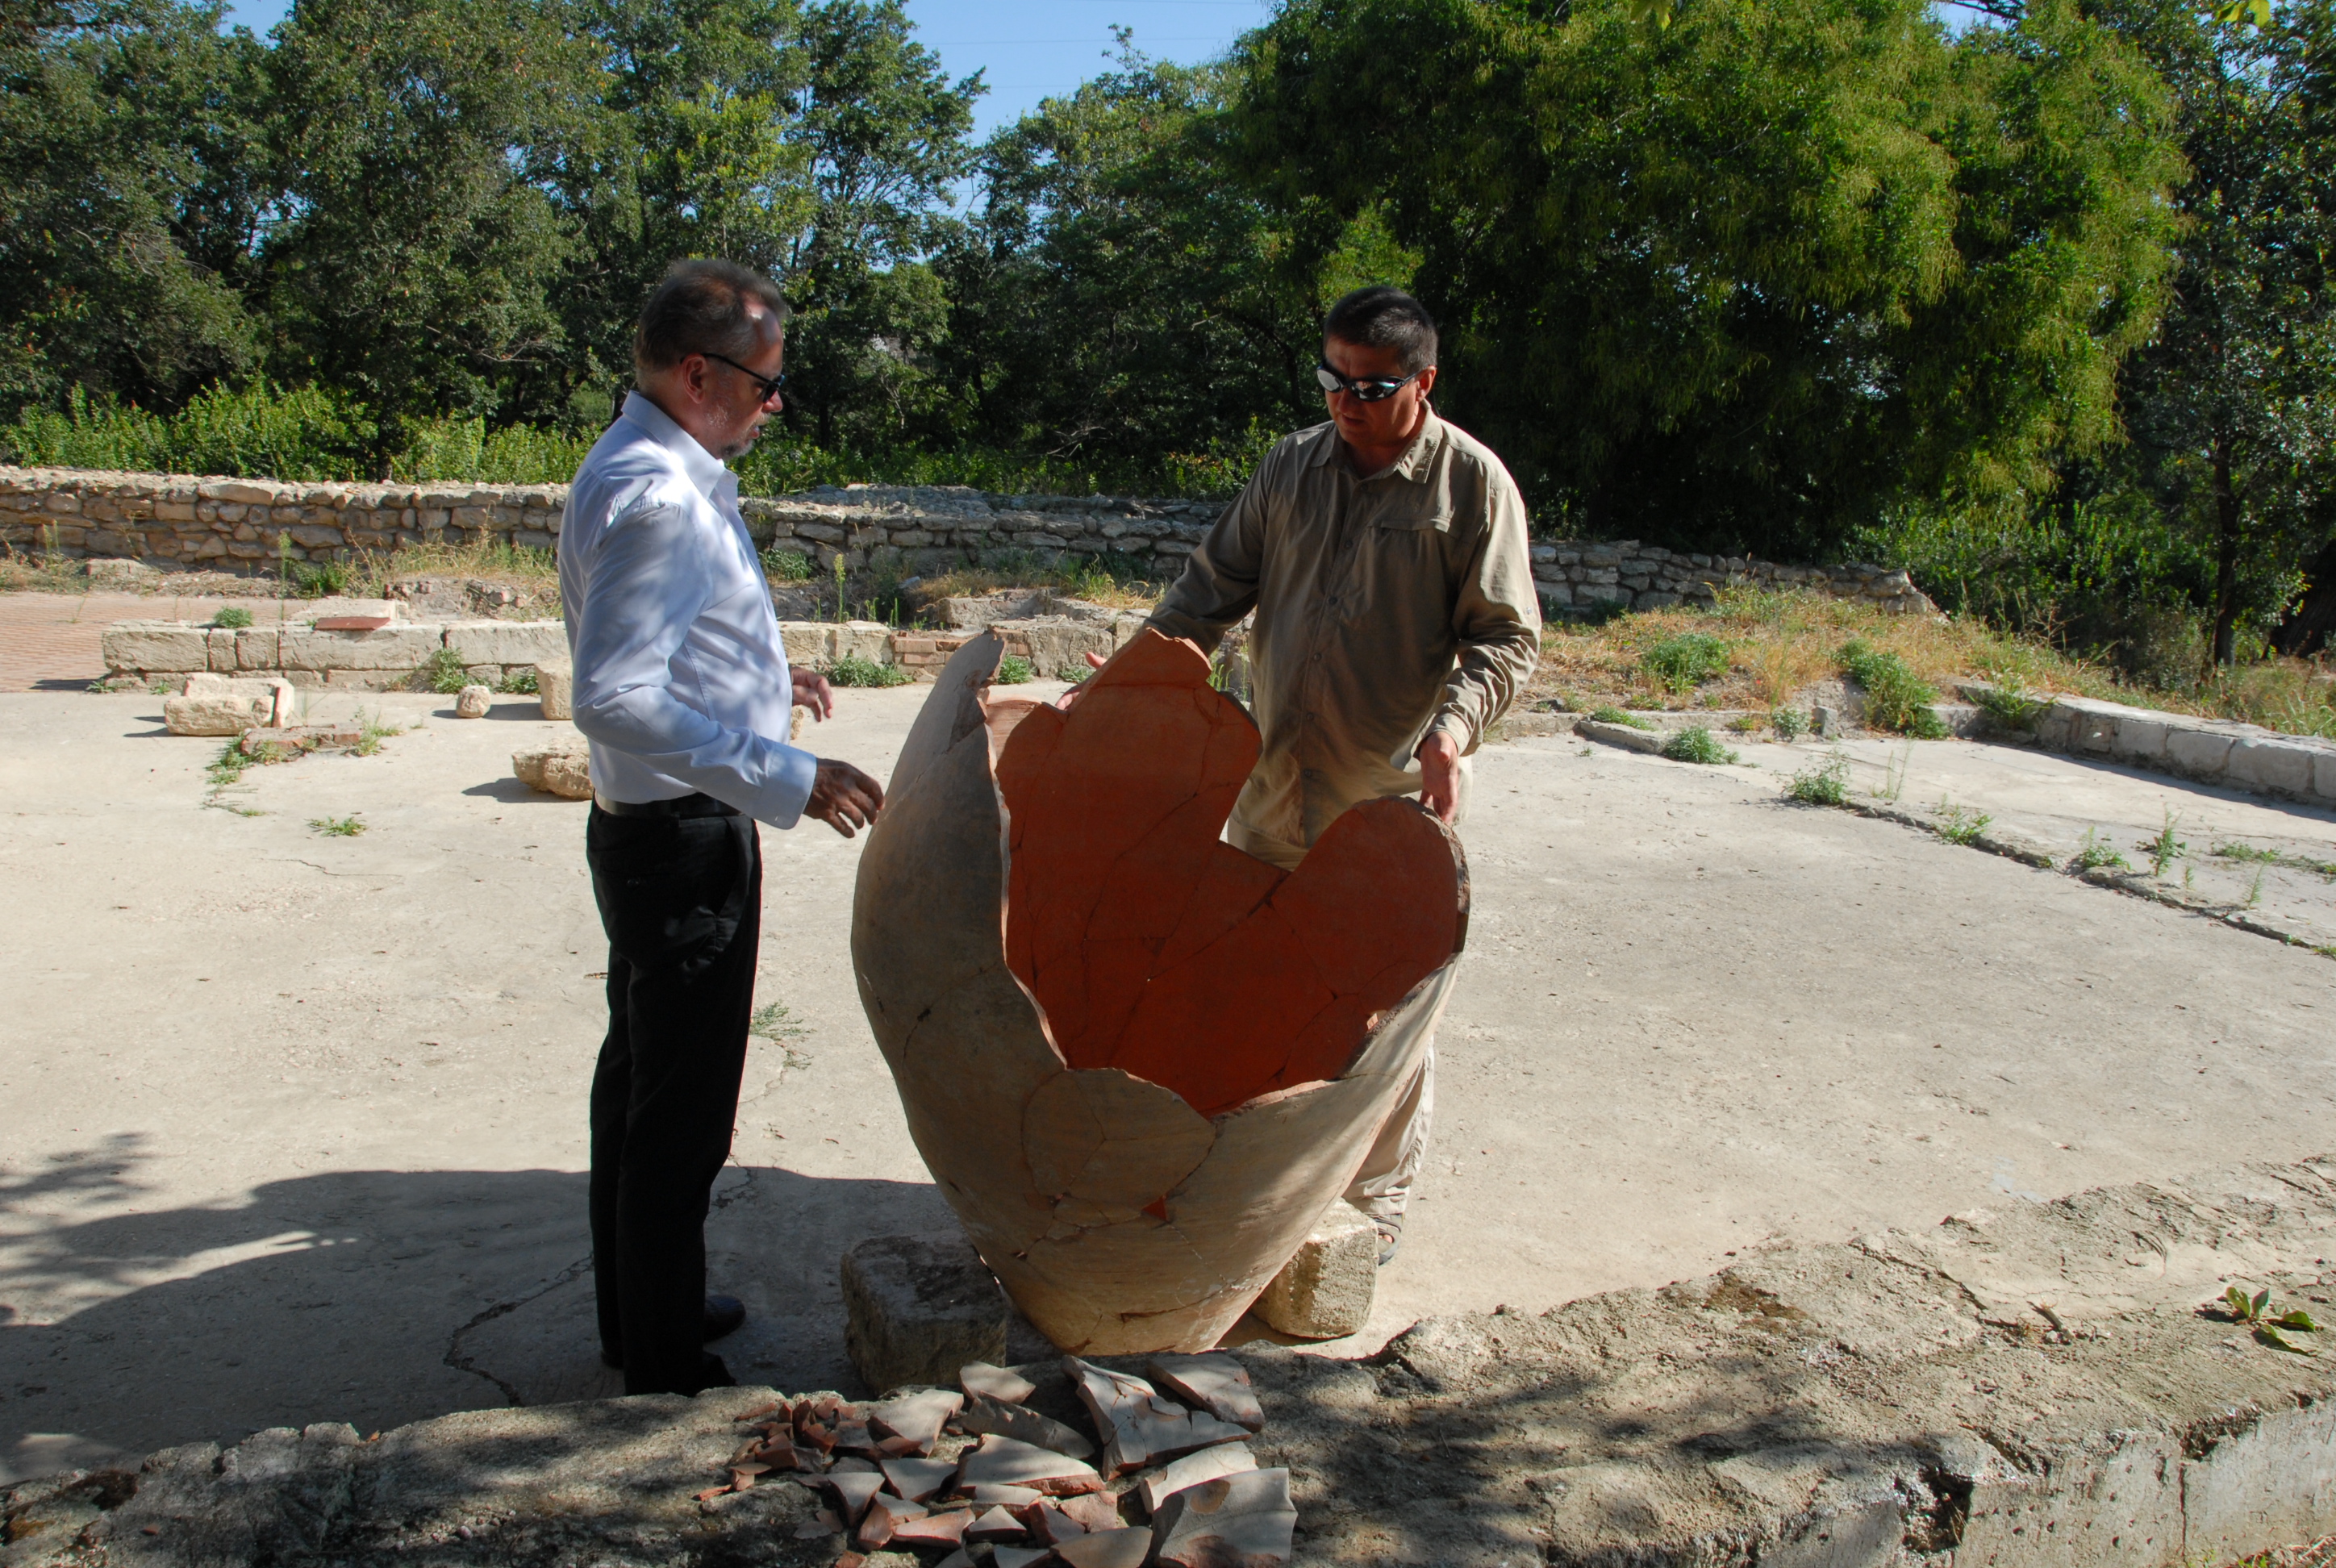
[1382,1187]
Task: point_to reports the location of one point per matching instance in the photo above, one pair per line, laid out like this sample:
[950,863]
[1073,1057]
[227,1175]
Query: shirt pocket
[1397,518]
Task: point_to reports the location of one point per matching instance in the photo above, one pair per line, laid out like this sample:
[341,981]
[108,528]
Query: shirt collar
[711,477]
[1412,465]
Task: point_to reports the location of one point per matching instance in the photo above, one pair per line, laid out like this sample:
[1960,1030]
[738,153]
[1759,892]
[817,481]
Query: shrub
[231,618]
[853,670]
[1695,743]
[1789,723]
[2011,710]
[786,565]
[1896,699]
[1013,670]
[1075,673]
[1686,661]
[1824,784]
[441,672]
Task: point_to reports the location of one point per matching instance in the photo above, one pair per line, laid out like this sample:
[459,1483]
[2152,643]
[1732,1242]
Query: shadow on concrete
[512,791]
[373,1297]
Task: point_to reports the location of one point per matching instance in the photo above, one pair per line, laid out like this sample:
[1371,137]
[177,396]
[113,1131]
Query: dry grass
[489,559]
[41,574]
[1077,582]
[1779,643]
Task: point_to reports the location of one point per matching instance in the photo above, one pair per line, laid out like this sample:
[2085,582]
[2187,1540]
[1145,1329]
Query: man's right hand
[843,797]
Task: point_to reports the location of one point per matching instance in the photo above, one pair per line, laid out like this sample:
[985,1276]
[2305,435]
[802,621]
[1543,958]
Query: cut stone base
[555,688]
[1325,1290]
[917,1307]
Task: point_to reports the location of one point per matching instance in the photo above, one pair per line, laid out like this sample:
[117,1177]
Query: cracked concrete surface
[293,1127]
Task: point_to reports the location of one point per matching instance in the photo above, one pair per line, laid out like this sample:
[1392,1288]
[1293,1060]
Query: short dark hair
[700,307]
[1384,318]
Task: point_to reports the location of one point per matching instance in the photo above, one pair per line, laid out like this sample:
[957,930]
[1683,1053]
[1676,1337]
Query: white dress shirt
[681,678]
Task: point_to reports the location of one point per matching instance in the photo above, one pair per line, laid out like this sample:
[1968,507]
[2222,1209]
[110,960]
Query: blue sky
[1032,49]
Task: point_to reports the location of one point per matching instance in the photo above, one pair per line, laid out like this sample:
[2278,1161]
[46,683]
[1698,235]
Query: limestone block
[807,642]
[555,687]
[2273,763]
[2200,753]
[1325,1290]
[472,702]
[388,648]
[561,770]
[868,640]
[218,644]
[917,1307]
[508,641]
[2141,740]
[215,714]
[169,646]
[2323,775]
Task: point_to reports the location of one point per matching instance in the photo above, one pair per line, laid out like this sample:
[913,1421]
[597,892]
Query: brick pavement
[49,641]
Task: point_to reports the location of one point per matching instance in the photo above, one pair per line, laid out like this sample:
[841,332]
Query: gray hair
[1384,318]
[701,307]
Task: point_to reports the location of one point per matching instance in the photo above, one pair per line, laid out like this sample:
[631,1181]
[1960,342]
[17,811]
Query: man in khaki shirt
[1385,555]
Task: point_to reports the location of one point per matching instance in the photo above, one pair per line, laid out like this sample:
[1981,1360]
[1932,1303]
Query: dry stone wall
[184,520]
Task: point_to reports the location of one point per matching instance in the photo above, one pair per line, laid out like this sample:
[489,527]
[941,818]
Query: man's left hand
[812,691]
[1439,775]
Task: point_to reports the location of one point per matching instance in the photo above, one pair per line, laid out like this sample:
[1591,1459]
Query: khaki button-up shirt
[1387,606]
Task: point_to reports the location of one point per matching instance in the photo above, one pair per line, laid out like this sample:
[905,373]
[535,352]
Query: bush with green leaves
[1685,661]
[231,618]
[2010,710]
[1789,723]
[442,672]
[786,565]
[1896,699]
[1013,670]
[853,670]
[1695,744]
[1073,674]
[1822,783]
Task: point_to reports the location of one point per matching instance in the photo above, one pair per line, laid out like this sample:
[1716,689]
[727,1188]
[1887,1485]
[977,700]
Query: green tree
[428,151]
[1753,277]
[2232,407]
[128,199]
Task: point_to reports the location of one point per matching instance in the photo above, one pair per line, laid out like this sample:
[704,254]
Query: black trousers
[682,901]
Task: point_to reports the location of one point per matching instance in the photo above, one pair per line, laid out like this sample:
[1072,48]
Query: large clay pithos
[1140,1062]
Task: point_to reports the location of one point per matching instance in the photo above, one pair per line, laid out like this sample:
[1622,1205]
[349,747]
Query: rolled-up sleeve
[1497,620]
[647,587]
[1219,583]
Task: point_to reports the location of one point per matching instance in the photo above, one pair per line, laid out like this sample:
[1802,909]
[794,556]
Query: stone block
[807,642]
[868,640]
[555,687]
[917,1307]
[507,641]
[2271,763]
[2200,753]
[2140,740]
[565,771]
[472,702]
[216,713]
[1325,1290]
[2323,775]
[2274,1481]
[159,646]
[384,649]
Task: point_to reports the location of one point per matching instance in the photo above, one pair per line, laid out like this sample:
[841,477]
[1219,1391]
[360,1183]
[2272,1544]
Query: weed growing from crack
[442,672]
[1894,775]
[232,618]
[777,1023]
[2239,852]
[2094,852]
[1013,670]
[2255,1312]
[347,827]
[1681,663]
[1789,723]
[1896,699]
[2166,849]
[1695,745]
[518,683]
[1959,824]
[1616,716]
[1823,784]
[371,733]
[2254,892]
[853,670]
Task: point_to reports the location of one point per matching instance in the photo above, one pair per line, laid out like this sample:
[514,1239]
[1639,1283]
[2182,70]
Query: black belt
[696,805]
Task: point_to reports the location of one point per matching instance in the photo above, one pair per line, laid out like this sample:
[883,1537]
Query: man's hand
[812,691]
[842,796]
[1439,775]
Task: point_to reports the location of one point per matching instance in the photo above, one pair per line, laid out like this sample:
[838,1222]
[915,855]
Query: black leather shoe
[724,1315]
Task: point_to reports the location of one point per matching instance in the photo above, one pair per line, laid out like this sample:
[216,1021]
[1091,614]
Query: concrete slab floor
[291,1125]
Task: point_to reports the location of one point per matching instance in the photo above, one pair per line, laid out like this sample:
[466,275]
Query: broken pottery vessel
[1140,1062]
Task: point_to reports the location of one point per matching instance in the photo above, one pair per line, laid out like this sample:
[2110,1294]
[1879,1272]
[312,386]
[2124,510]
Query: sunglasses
[1367,389]
[768,385]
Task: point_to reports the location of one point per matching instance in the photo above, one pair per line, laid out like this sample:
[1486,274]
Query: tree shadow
[373,1297]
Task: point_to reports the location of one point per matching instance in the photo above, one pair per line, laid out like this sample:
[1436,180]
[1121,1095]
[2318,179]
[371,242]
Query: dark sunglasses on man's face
[1367,389]
[767,385]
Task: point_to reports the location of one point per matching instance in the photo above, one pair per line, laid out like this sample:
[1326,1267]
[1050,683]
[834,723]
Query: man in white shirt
[683,689]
